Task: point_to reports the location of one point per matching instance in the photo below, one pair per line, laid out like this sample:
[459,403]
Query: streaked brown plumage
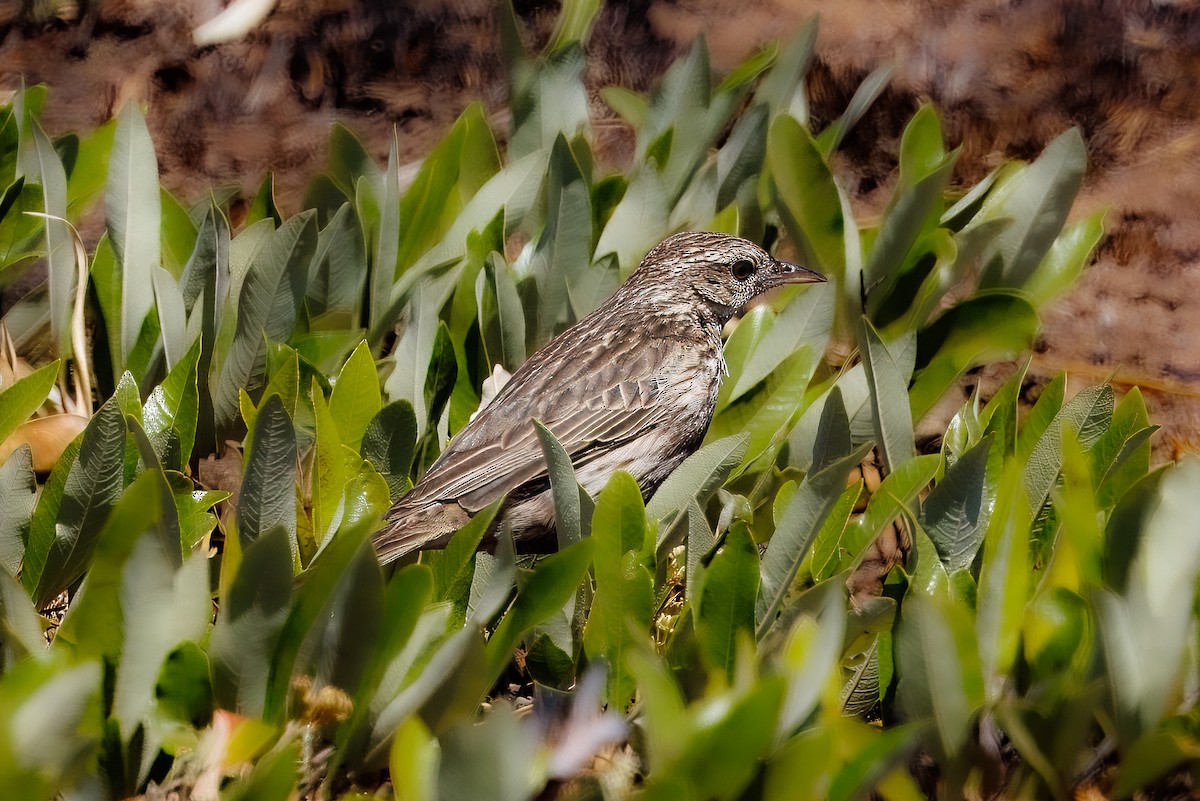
[631,387]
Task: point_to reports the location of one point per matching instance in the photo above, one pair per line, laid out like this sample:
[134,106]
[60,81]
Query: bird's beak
[787,273]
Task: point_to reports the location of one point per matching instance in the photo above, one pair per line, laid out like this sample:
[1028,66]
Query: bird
[631,386]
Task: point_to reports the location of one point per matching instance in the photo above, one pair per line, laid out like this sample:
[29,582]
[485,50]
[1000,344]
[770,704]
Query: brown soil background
[1007,77]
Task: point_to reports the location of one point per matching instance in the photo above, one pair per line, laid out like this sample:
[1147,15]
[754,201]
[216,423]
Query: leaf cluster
[701,644]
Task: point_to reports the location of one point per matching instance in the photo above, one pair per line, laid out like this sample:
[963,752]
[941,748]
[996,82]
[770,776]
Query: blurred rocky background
[1007,77]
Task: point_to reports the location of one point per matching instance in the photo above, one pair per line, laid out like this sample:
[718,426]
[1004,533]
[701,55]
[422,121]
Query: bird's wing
[475,477]
[613,397]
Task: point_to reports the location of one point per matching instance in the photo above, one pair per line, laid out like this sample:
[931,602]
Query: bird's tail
[407,529]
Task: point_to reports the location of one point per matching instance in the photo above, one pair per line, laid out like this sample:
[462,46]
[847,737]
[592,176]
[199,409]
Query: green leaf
[624,558]
[90,173]
[1069,254]
[1159,603]
[826,547]
[133,212]
[317,619]
[43,166]
[1044,412]
[922,148]
[92,626]
[21,635]
[767,412]
[803,518]
[172,316]
[912,212]
[638,223]
[497,752]
[509,313]
[342,638]
[161,608]
[18,497]
[414,760]
[268,494]
[55,751]
[389,443]
[178,234]
[725,608]
[870,764]
[782,88]
[573,23]
[864,97]
[697,477]
[888,381]
[564,487]
[339,268]
[273,777]
[553,582]
[330,470]
[1037,200]
[355,399]
[563,255]
[349,161]
[513,190]
[193,506]
[893,498]
[1004,580]
[454,566]
[55,558]
[174,406]
[956,513]
[263,205]
[19,401]
[807,196]
[1087,415]
[728,738]
[938,668]
[248,626]
[183,690]
[1115,467]
[268,303]
[805,322]
[811,655]
[1151,757]
[412,357]
[629,105]
[993,326]
[456,169]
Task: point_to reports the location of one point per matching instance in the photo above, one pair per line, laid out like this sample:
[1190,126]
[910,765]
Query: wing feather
[609,406]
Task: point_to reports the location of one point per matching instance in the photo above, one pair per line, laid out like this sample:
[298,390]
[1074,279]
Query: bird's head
[724,272]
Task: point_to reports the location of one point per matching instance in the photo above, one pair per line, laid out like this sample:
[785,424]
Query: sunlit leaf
[938,668]
[725,607]
[623,554]
[1037,199]
[989,327]
[1004,581]
[133,212]
[355,399]
[889,397]
[19,401]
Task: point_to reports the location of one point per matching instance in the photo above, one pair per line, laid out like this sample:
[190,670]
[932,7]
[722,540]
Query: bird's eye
[742,269]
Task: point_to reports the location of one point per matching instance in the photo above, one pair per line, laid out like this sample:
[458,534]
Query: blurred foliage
[701,645]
